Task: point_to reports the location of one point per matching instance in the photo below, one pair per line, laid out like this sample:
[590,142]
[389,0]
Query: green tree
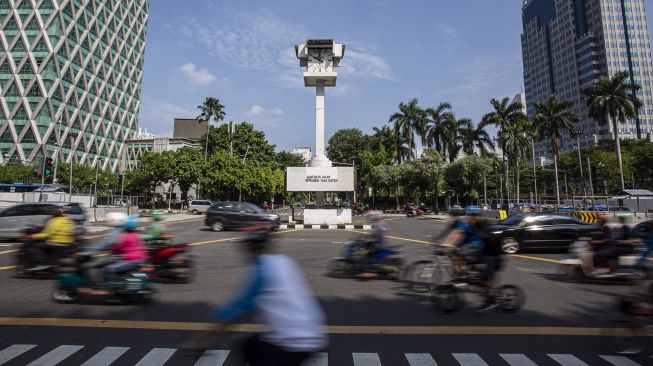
[154,169]
[613,100]
[409,120]
[346,145]
[475,138]
[424,176]
[466,175]
[285,159]
[210,110]
[188,167]
[388,138]
[550,120]
[517,141]
[433,132]
[451,134]
[246,140]
[17,173]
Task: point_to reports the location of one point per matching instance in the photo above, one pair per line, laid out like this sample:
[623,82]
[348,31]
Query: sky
[464,52]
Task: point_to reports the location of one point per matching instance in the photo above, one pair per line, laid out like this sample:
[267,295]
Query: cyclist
[58,233]
[131,249]
[277,290]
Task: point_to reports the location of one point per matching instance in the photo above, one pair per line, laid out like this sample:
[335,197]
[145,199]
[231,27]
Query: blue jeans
[122,266]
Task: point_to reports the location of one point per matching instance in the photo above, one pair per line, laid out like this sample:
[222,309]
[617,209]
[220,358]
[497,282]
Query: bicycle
[630,334]
[426,274]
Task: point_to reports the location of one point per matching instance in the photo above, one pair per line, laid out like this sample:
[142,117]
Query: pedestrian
[278,292]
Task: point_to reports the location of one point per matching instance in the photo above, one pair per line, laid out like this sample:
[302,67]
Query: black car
[233,215]
[519,232]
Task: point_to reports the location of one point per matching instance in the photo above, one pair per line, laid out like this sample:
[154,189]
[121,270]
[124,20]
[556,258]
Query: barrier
[587,217]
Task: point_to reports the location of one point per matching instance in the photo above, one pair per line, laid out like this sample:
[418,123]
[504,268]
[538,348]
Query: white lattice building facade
[70,78]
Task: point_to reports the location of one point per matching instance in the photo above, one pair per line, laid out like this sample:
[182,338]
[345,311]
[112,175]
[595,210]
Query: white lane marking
[366,359]
[619,360]
[14,351]
[106,357]
[567,360]
[56,355]
[317,359]
[156,357]
[469,359]
[420,359]
[517,359]
[213,357]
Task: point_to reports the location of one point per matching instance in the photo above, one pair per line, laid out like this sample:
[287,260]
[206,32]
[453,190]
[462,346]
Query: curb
[325,227]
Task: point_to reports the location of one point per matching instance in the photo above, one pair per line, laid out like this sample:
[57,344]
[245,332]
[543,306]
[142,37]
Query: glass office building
[568,44]
[70,78]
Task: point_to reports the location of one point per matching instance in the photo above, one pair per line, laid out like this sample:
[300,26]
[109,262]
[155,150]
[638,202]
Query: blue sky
[242,52]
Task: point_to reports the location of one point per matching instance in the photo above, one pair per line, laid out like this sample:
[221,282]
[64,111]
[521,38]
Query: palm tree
[451,134]
[389,139]
[475,137]
[504,115]
[410,119]
[613,100]
[550,120]
[211,109]
[517,142]
[433,132]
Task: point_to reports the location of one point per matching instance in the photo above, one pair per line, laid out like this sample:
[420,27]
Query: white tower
[320,57]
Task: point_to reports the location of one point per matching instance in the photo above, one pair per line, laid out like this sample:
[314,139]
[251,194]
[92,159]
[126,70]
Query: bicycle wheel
[445,299]
[423,276]
[510,298]
[624,337]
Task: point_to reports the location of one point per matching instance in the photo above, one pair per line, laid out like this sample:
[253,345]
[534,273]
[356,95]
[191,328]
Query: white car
[199,206]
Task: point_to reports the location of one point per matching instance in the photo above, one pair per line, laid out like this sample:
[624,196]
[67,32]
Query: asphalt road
[371,323]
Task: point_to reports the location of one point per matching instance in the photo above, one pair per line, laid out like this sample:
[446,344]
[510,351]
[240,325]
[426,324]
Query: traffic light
[48,169]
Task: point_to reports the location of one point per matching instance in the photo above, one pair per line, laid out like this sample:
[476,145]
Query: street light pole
[239,190]
[534,174]
[70,178]
[589,172]
[580,166]
[58,150]
[97,170]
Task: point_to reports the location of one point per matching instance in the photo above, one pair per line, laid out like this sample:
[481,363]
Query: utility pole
[580,166]
[534,175]
[589,173]
[97,170]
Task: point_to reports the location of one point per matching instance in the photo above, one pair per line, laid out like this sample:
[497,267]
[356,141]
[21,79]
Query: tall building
[70,79]
[568,44]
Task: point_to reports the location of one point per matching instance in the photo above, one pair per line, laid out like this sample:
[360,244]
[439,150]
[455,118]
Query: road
[371,323]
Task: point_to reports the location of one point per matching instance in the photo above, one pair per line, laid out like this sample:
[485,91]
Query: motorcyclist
[59,232]
[157,228]
[617,241]
[374,243]
[276,289]
[130,248]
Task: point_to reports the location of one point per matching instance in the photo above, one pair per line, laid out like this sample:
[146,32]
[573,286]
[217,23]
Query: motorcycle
[170,262]
[354,261]
[27,267]
[414,212]
[74,279]
[580,265]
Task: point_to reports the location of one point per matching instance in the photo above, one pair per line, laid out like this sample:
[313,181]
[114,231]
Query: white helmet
[116,219]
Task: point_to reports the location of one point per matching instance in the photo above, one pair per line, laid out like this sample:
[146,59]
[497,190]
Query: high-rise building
[568,44]
[70,79]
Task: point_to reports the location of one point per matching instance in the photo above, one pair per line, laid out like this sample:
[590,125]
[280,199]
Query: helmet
[472,211]
[116,219]
[131,223]
[156,215]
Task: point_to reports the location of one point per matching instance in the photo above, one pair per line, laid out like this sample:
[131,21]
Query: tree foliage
[245,140]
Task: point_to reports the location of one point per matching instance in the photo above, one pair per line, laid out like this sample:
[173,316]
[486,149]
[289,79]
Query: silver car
[16,219]
[199,206]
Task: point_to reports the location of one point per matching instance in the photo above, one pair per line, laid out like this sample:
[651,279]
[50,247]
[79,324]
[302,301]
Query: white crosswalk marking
[317,359]
[106,356]
[14,351]
[517,359]
[567,360]
[469,359]
[366,359]
[420,359]
[620,361]
[212,357]
[56,355]
[156,357]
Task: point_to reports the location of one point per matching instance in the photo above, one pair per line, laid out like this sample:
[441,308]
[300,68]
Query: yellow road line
[397,238]
[332,329]
[8,251]
[535,258]
[6,268]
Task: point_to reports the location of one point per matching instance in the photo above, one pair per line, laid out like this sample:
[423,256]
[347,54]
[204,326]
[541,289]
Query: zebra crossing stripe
[14,351]
[517,359]
[567,360]
[619,360]
[317,359]
[56,355]
[469,359]
[212,357]
[106,357]
[366,359]
[420,359]
[156,357]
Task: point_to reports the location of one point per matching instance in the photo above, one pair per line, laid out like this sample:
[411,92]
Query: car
[233,215]
[199,206]
[16,219]
[456,210]
[548,231]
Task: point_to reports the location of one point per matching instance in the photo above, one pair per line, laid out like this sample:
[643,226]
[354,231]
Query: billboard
[320,179]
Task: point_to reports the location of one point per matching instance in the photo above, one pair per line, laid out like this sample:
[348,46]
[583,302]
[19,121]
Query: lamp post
[534,173]
[70,179]
[239,190]
[58,151]
[97,170]
[580,165]
[589,172]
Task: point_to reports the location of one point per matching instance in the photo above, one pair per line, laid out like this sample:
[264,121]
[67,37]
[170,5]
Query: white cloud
[446,30]
[363,64]
[158,115]
[201,76]
[257,111]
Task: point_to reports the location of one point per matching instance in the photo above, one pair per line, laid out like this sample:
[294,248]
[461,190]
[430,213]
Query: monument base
[334,216]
